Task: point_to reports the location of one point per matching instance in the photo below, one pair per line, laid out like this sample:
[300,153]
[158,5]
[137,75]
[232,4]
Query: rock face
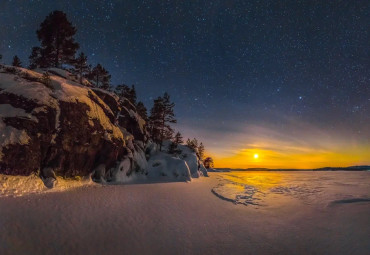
[61,127]
[52,124]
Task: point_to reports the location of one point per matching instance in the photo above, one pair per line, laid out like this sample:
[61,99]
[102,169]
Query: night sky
[289,80]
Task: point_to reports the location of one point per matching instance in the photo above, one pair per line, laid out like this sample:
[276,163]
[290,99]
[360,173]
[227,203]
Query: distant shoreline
[350,168]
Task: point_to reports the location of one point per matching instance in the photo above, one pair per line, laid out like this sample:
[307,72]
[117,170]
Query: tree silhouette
[208,162]
[201,151]
[142,111]
[122,91]
[132,95]
[16,61]
[125,92]
[81,68]
[178,139]
[36,60]
[161,116]
[173,148]
[192,144]
[100,76]
[57,43]
[155,120]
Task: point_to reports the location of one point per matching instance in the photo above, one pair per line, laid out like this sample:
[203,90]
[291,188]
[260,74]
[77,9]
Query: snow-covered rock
[61,127]
[57,127]
[163,160]
[172,168]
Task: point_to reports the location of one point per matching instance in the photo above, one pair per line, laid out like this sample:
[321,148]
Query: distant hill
[349,168]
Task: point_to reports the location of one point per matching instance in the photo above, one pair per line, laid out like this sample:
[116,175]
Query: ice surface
[186,218]
[325,188]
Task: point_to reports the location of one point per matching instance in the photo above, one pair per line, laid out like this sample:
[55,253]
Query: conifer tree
[173,148]
[188,142]
[36,60]
[125,92]
[155,119]
[132,95]
[101,77]
[201,151]
[81,68]
[168,117]
[16,61]
[122,91]
[57,43]
[208,162]
[178,139]
[192,144]
[161,117]
[142,111]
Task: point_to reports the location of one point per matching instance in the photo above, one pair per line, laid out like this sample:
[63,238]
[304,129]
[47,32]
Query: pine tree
[57,43]
[36,60]
[81,68]
[132,95]
[178,138]
[122,91]
[155,119]
[125,92]
[173,149]
[168,117]
[101,77]
[161,117]
[16,61]
[188,143]
[201,151]
[192,144]
[142,111]
[208,162]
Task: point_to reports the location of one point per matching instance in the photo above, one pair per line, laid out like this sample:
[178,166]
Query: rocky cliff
[54,125]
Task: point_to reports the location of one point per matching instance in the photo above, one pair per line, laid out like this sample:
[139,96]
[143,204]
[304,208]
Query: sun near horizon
[259,158]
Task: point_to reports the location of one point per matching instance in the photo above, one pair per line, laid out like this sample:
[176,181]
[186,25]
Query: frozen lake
[227,213]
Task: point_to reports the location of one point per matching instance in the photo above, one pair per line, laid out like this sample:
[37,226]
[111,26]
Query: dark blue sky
[226,64]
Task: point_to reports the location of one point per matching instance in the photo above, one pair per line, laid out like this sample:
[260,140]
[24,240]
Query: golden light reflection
[263,181]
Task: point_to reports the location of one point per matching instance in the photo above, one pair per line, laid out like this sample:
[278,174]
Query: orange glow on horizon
[251,158]
[299,145]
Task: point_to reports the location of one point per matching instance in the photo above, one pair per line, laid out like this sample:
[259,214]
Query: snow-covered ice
[295,213]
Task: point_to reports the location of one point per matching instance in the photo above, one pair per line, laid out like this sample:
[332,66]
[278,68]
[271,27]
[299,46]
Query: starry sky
[288,80]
